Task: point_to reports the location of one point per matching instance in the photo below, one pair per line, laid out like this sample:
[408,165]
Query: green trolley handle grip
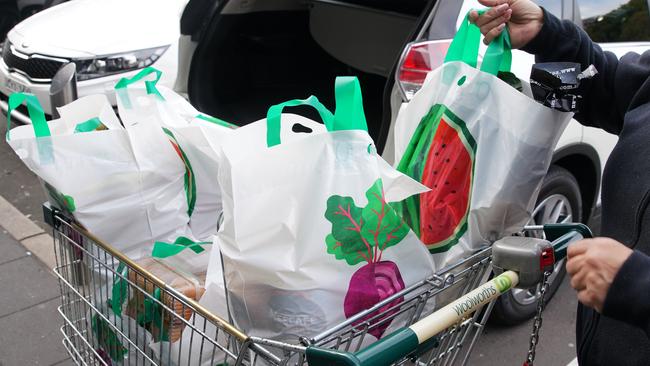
[562,235]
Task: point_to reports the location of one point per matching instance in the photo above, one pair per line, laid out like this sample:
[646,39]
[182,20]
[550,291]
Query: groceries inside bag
[309,238]
[480,145]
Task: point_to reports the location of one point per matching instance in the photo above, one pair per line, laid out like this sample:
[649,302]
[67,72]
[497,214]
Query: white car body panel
[124,25]
[73,30]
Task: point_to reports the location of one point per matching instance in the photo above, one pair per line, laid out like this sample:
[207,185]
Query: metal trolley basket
[94,335]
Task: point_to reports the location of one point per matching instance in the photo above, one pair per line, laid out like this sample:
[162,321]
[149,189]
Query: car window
[616,20]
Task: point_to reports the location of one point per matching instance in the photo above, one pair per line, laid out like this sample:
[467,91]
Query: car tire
[559,189]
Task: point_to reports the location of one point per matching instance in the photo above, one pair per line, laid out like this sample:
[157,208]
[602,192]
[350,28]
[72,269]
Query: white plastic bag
[482,146]
[196,137]
[126,186]
[308,238]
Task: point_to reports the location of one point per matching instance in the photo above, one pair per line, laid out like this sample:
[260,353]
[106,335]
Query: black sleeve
[607,95]
[628,298]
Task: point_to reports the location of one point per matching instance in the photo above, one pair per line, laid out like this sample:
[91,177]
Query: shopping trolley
[463,293]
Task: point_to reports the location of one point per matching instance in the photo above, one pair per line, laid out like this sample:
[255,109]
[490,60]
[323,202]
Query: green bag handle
[120,290]
[465,46]
[34,110]
[216,121]
[150,85]
[39,124]
[164,250]
[273,117]
[349,113]
[88,126]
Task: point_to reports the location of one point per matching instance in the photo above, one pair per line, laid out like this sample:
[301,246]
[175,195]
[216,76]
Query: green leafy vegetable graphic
[362,234]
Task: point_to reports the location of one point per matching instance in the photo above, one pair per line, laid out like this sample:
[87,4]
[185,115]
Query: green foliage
[629,22]
[362,234]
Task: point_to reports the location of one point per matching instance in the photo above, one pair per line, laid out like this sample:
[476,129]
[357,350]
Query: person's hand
[592,265]
[524,19]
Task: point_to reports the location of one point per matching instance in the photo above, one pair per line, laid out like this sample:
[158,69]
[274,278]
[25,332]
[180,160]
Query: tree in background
[629,22]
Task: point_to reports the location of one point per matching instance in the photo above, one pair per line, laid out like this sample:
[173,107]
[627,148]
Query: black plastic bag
[556,84]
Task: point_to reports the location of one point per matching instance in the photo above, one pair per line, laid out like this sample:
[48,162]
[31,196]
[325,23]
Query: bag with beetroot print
[482,146]
[309,238]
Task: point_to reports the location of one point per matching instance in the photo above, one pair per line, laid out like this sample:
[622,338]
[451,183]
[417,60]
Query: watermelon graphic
[361,235]
[441,156]
[190,183]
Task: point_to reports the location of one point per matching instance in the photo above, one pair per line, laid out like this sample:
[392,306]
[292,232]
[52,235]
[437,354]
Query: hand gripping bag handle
[465,47]
[349,113]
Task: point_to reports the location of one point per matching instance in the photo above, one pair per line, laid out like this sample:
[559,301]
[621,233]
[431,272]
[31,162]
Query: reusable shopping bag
[196,137]
[308,237]
[126,186]
[480,145]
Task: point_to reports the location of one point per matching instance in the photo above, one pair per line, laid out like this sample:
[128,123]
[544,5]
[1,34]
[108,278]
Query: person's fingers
[473,16]
[587,298]
[578,248]
[492,2]
[578,281]
[491,35]
[492,14]
[574,264]
[496,22]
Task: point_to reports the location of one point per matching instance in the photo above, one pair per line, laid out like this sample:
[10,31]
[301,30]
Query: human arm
[608,95]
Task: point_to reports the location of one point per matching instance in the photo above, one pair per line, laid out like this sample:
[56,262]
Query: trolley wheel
[559,201]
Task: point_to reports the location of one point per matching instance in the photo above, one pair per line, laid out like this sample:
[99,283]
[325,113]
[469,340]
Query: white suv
[247,55]
[107,40]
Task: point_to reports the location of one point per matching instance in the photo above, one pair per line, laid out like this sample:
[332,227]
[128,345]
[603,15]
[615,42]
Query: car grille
[34,67]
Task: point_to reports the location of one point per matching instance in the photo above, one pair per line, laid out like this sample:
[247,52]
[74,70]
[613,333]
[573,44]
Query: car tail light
[417,61]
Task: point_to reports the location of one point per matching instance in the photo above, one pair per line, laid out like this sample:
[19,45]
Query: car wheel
[559,201]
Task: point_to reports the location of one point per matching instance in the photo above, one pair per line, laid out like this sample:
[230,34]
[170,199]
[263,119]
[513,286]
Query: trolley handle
[562,235]
[420,337]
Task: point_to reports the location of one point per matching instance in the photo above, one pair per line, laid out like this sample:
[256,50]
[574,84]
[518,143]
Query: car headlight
[117,63]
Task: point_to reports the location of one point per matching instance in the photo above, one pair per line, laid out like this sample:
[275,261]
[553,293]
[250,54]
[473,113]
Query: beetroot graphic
[371,284]
[362,235]
[441,156]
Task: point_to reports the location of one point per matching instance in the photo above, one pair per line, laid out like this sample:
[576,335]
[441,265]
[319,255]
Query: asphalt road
[498,345]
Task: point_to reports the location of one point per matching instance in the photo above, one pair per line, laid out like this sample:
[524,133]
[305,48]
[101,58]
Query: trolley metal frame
[94,335]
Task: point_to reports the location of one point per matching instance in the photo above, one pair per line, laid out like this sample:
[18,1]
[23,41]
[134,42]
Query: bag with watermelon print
[308,237]
[196,137]
[480,145]
[126,186]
